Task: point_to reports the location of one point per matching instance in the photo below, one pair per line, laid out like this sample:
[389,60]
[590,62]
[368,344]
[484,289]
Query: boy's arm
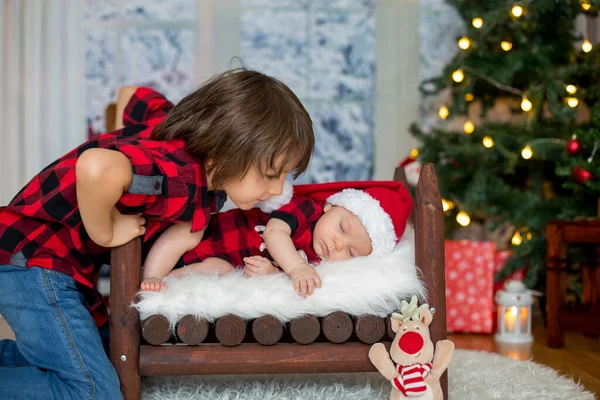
[277,237]
[125,94]
[168,249]
[102,176]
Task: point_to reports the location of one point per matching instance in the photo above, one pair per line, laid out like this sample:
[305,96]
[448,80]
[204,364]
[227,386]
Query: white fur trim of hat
[275,202]
[376,221]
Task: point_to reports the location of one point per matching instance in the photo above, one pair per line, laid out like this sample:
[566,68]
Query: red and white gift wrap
[469,286]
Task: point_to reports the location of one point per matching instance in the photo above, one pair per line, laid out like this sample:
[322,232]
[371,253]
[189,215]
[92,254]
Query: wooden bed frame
[132,359]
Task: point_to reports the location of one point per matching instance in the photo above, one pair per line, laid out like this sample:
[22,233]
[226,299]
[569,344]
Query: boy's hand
[305,279]
[258,266]
[125,227]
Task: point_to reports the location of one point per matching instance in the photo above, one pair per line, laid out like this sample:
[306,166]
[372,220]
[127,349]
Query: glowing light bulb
[414,152]
[464,43]
[477,22]
[445,205]
[571,89]
[586,46]
[517,239]
[469,97]
[443,113]
[463,218]
[585,5]
[458,76]
[526,104]
[527,152]
[572,102]
[488,142]
[528,235]
[517,11]
[468,127]
[506,46]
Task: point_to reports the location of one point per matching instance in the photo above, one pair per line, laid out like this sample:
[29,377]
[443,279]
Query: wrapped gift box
[469,286]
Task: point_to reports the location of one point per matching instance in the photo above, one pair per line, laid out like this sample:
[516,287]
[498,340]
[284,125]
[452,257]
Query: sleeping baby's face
[339,235]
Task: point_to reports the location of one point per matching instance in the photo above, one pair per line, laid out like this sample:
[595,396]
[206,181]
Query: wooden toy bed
[335,343]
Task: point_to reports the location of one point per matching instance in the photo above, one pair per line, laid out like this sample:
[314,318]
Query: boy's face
[339,235]
[255,186]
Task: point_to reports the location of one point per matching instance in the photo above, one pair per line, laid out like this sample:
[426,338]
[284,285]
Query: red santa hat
[383,207]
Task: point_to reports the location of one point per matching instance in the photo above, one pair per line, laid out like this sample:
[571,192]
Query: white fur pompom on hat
[275,202]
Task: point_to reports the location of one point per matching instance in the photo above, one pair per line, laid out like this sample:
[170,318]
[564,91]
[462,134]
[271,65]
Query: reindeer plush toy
[418,372]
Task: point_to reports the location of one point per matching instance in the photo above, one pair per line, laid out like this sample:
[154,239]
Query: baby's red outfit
[236,234]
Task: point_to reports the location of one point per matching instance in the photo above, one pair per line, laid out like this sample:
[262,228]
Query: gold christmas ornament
[414,152]
[469,97]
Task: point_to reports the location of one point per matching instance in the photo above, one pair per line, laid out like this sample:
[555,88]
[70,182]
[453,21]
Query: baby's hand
[153,284]
[258,266]
[305,279]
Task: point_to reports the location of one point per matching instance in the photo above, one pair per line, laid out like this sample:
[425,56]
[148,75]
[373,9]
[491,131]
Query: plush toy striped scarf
[410,382]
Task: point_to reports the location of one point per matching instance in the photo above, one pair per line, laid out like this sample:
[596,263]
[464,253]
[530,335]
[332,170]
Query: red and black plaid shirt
[42,226]
[236,234]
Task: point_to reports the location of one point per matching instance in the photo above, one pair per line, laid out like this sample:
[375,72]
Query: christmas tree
[519,124]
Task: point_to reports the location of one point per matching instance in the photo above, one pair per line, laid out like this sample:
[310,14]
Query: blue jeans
[58,352]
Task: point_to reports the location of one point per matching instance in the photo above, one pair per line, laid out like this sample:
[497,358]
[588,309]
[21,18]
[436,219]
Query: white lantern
[514,313]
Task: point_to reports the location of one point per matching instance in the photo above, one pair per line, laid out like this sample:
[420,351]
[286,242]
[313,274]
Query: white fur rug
[364,285]
[472,376]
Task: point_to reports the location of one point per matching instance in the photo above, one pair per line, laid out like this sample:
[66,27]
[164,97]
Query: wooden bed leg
[429,252]
[125,277]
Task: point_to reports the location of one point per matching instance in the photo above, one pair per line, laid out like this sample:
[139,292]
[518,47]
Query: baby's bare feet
[153,284]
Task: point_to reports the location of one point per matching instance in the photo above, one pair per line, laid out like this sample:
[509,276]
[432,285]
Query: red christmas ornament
[573,147]
[581,175]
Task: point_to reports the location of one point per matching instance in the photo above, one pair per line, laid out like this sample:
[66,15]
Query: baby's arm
[165,253]
[277,237]
[102,176]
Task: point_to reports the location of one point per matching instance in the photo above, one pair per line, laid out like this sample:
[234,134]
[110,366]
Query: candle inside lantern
[510,319]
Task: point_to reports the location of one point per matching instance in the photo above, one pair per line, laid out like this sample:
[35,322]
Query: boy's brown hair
[239,119]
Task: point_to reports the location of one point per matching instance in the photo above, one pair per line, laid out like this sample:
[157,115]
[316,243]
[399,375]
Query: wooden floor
[579,359]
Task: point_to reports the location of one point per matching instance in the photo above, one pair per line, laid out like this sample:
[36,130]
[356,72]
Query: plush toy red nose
[411,342]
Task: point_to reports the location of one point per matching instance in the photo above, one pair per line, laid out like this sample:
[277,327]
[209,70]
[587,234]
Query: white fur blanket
[365,285]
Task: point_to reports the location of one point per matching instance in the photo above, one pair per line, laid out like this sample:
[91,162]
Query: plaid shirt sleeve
[299,212]
[146,106]
[161,189]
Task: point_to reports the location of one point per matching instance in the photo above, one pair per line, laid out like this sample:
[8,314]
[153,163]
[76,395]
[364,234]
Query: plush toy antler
[417,373]
[409,311]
